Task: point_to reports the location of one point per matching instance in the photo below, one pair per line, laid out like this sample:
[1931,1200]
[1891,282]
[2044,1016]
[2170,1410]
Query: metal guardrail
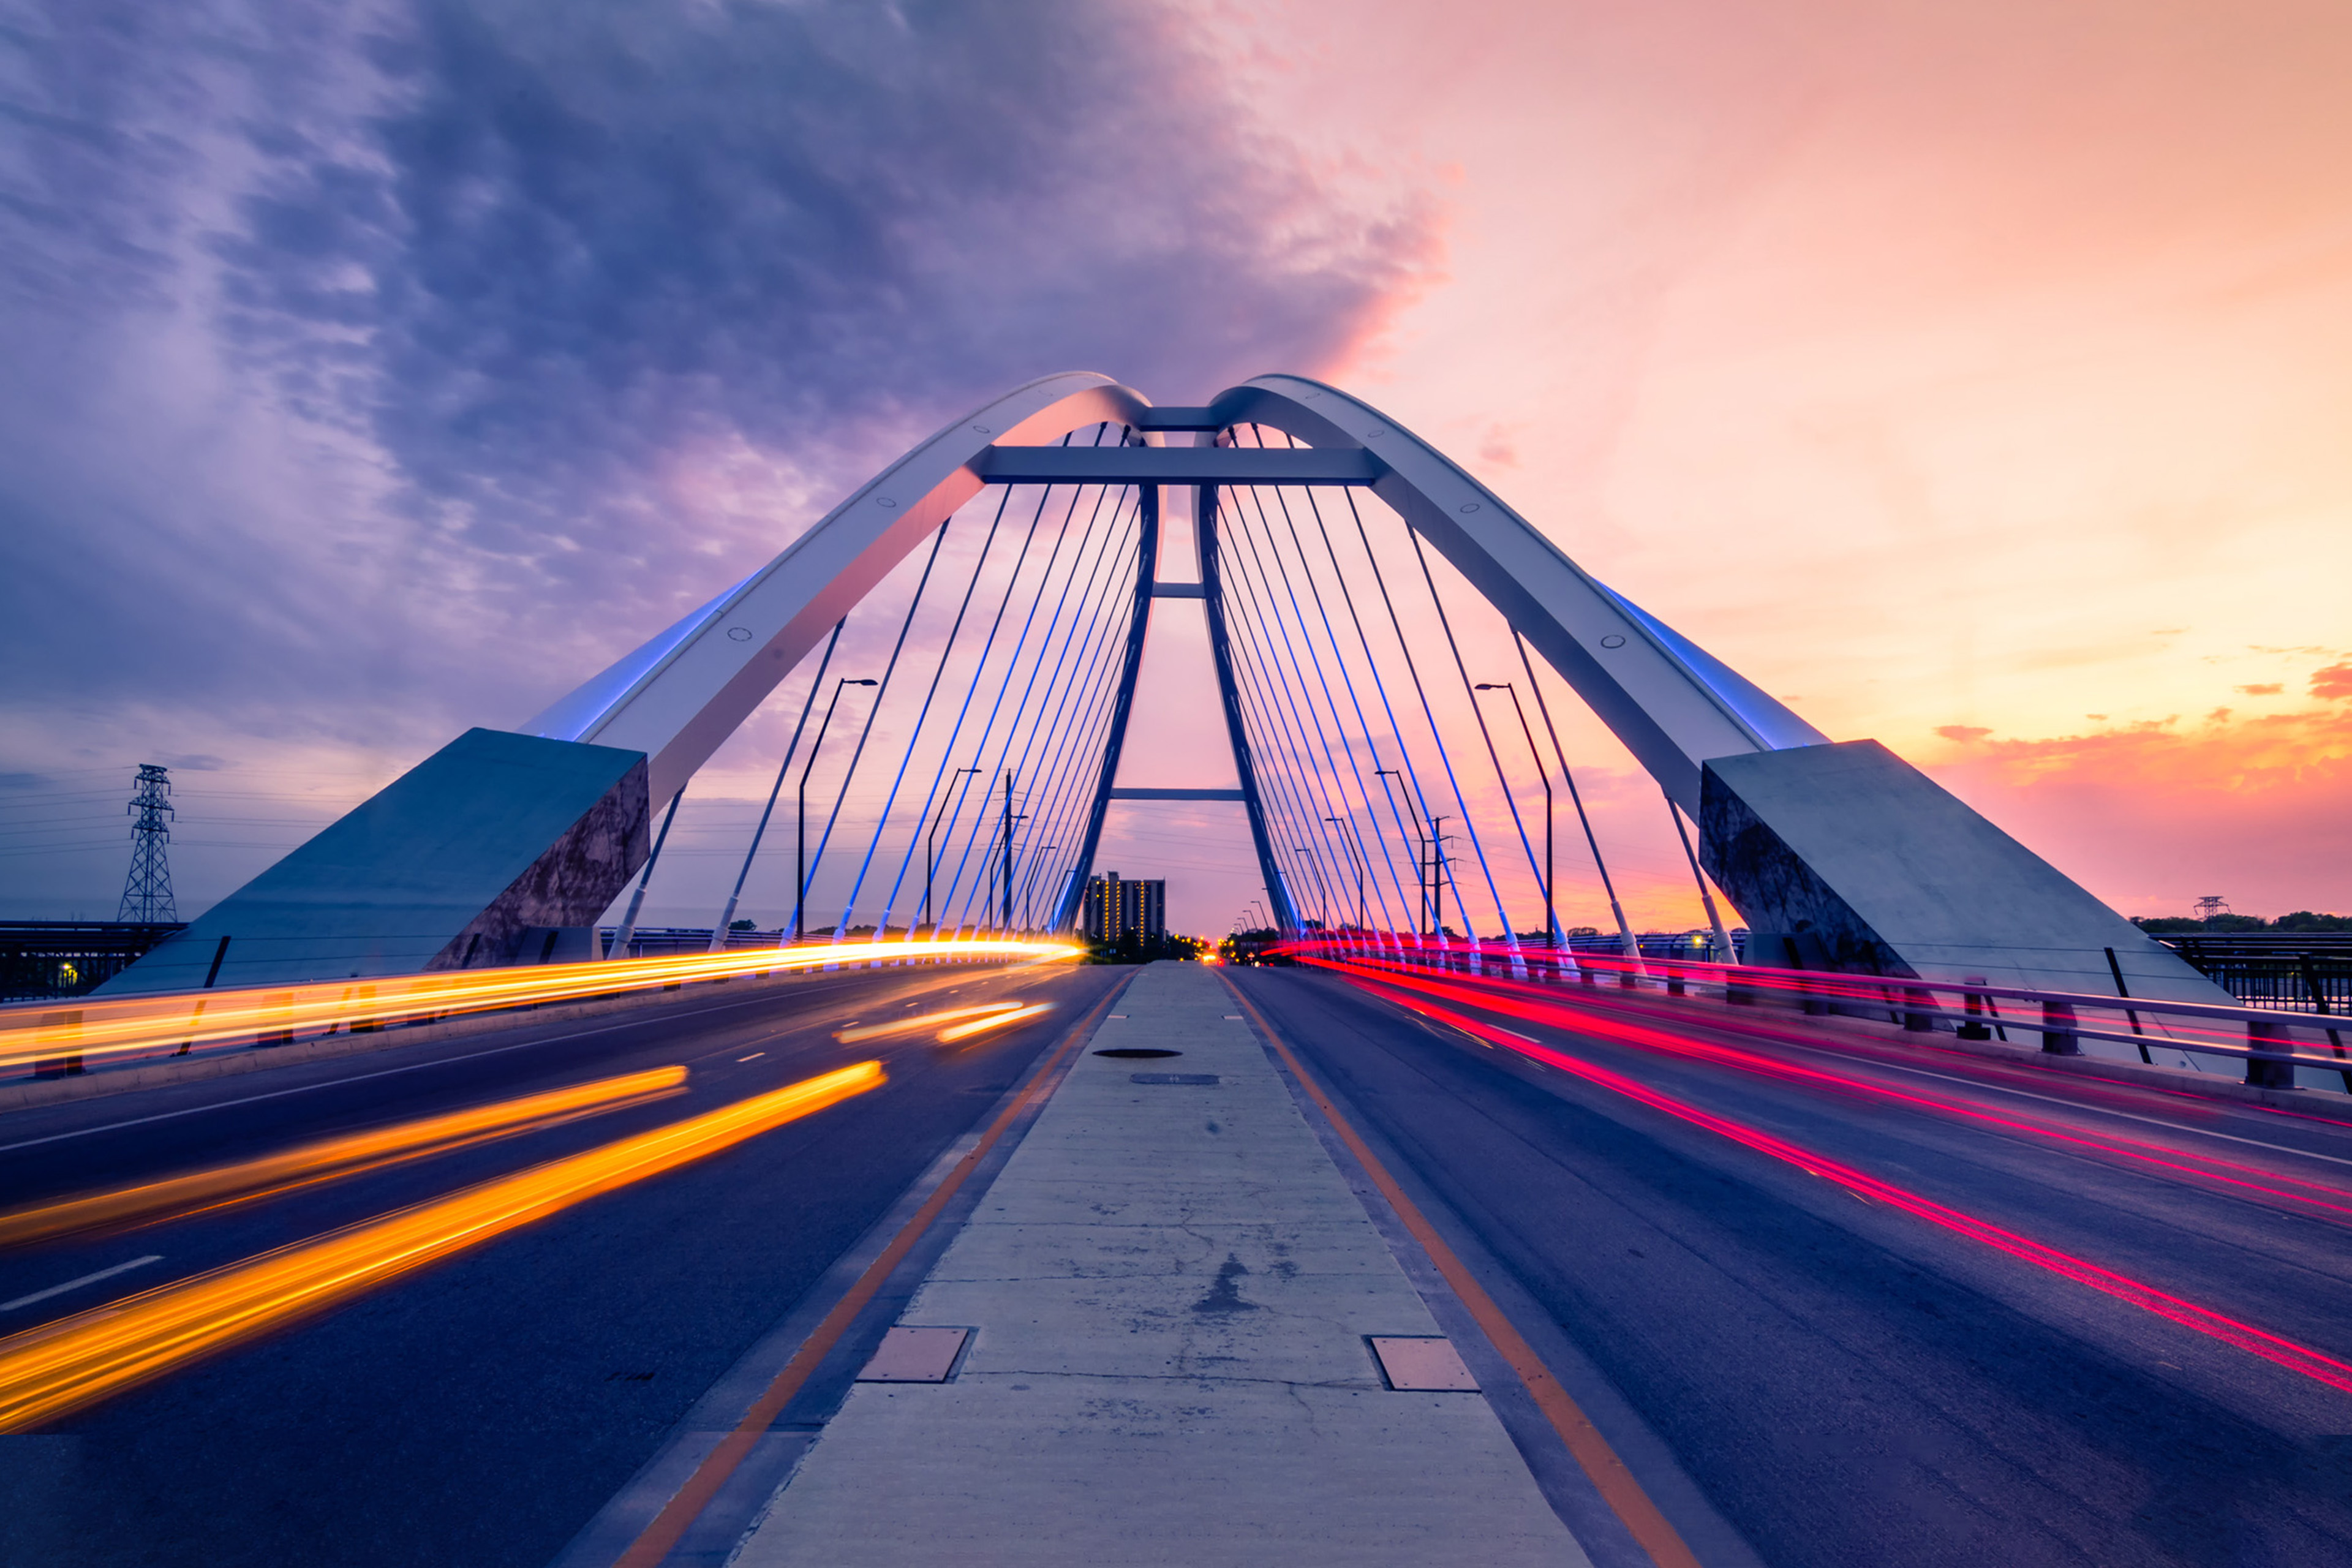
[2270,1042]
[2292,971]
[43,960]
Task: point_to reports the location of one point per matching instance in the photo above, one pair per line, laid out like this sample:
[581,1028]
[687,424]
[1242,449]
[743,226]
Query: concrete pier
[1170,1294]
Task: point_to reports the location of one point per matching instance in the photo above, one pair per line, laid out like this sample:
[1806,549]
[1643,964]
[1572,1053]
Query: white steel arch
[1673,704]
[679,696]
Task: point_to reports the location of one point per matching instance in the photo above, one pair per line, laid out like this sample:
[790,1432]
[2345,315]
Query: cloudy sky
[1978,378]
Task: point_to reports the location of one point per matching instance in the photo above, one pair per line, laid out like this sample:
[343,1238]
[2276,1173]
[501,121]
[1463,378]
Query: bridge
[389,1212]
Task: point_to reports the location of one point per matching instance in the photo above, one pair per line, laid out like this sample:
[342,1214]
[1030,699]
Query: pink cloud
[2149,815]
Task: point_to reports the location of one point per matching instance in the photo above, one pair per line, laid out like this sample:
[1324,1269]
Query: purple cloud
[382,369]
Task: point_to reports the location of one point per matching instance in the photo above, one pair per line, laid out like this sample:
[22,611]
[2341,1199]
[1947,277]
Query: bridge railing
[2270,1042]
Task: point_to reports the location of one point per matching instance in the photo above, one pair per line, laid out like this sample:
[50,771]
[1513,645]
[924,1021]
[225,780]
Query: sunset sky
[1975,378]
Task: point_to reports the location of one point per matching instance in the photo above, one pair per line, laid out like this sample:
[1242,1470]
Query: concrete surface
[1170,1287]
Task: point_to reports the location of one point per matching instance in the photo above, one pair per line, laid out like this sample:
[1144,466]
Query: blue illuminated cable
[726,916]
[1072,788]
[1413,668]
[1307,637]
[1285,753]
[1510,935]
[907,860]
[1271,613]
[1077,725]
[988,647]
[1093,732]
[1085,647]
[865,732]
[1043,743]
[1023,724]
[947,651]
[1289,811]
[1089,736]
[939,773]
[1012,667]
[1355,700]
[1396,732]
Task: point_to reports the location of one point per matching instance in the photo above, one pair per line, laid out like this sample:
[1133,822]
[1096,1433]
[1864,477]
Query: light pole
[1345,826]
[1421,851]
[930,851]
[800,837]
[1436,846]
[1029,881]
[1009,820]
[1322,886]
[1551,914]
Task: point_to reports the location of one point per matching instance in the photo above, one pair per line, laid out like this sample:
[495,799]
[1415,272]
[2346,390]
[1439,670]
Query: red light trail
[2274,1348]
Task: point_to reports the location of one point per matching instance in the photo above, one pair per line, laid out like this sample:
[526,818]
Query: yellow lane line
[1610,1477]
[47,1371]
[670,1526]
[330,1157]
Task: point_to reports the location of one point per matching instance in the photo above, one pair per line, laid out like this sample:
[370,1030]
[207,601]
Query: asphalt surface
[481,1410]
[1845,1382]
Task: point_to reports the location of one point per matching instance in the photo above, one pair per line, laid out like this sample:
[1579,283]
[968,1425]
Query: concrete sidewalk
[1169,1287]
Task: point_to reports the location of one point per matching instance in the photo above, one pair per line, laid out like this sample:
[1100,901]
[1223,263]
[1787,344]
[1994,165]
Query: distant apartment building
[1115,906]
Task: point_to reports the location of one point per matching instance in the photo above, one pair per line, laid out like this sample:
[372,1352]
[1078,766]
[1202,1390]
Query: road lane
[1848,1384]
[481,1410]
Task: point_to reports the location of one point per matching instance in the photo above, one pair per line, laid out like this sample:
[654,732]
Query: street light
[799,837]
[930,849]
[1420,854]
[1437,840]
[1551,917]
[1029,880]
[1305,852]
[1358,860]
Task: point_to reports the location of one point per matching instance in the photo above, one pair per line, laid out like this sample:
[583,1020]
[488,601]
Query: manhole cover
[1131,1051]
[1194,1077]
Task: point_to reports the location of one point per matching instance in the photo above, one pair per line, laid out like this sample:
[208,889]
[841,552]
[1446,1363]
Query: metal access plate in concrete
[1413,1365]
[916,1355]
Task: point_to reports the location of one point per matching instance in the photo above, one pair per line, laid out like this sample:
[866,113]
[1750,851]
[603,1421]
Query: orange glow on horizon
[60,1367]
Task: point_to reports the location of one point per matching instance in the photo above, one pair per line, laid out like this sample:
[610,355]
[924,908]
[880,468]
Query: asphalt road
[481,1410]
[1848,1383]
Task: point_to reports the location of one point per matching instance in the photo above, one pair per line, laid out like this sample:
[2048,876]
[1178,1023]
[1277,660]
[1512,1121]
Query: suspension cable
[988,647]
[1412,668]
[1624,932]
[1331,701]
[1396,732]
[1265,580]
[1313,826]
[719,932]
[1503,782]
[947,651]
[1355,702]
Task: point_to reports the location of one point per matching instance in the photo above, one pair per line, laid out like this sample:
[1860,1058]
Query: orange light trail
[949,1036]
[2274,1348]
[917,1023]
[177,1196]
[101,1029]
[47,1371]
